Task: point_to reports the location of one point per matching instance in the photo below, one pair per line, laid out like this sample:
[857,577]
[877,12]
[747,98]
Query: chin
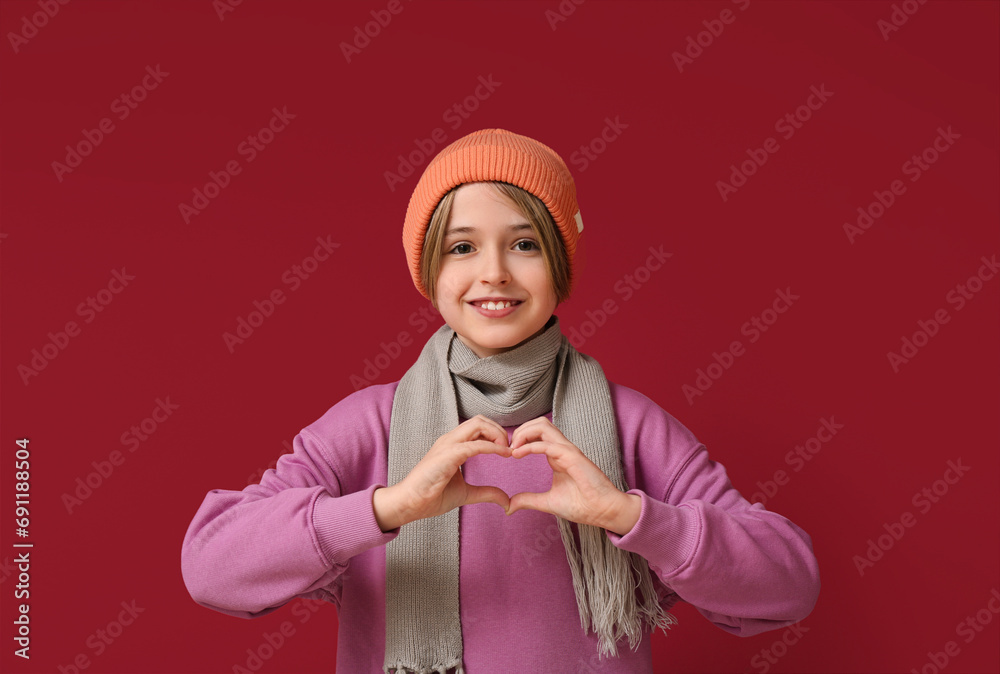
[499,344]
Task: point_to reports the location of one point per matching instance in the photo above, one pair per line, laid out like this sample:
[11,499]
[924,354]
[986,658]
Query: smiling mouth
[495,306]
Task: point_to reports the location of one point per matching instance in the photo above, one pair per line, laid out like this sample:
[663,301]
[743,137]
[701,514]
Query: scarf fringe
[573,557]
[597,557]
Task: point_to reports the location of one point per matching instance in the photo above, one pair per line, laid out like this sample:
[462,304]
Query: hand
[580,492]
[436,485]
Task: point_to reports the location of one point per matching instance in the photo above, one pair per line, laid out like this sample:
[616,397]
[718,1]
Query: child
[610,510]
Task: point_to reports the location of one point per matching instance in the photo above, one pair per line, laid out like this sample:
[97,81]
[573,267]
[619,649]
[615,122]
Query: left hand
[580,491]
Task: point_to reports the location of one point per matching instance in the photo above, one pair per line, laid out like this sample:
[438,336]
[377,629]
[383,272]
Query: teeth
[493,306]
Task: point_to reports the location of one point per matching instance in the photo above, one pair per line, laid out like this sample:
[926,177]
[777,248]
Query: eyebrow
[467,229]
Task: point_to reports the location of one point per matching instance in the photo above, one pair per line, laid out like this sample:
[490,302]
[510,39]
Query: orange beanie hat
[493,154]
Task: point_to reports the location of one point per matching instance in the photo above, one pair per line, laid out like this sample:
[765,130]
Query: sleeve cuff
[345,525]
[665,535]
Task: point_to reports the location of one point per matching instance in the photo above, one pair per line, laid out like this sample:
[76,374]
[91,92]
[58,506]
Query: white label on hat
[579,222]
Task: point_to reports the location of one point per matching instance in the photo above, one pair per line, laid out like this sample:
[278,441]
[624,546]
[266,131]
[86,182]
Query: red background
[655,184]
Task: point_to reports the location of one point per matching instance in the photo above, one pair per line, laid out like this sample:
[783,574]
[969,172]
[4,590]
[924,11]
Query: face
[491,254]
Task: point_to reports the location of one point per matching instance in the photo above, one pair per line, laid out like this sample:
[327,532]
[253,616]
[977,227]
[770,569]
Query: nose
[494,270]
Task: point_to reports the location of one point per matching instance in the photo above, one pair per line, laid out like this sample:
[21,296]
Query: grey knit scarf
[423,626]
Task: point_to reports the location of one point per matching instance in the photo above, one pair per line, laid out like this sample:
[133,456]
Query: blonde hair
[534,211]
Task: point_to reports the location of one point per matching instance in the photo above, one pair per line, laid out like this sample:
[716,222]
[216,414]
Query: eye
[524,246]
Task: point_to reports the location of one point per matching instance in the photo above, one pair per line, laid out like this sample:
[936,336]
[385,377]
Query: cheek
[449,285]
[537,277]
[448,281]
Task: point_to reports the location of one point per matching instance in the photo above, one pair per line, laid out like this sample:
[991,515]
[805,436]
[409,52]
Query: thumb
[481,494]
[527,500]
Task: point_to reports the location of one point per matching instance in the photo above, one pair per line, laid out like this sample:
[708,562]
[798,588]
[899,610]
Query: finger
[551,449]
[480,427]
[487,494]
[527,500]
[464,450]
[536,429]
[452,455]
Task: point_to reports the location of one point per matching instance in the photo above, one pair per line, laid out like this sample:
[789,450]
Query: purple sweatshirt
[309,530]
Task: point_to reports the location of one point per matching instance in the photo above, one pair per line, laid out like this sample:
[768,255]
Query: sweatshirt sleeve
[248,552]
[746,569]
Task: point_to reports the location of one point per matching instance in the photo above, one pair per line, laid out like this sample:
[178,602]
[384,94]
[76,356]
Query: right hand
[436,485]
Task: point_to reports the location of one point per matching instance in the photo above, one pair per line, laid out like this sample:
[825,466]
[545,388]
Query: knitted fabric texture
[423,624]
[493,154]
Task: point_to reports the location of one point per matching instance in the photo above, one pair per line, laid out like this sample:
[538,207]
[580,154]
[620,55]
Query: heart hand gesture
[580,491]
